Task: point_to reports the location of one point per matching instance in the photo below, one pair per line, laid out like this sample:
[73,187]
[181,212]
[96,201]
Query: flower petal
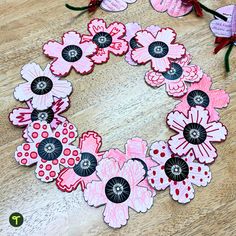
[160,64]
[70,156]
[115,5]
[140,55]
[71,38]
[116,154]
[97,25]
[52,49]
[84,66]
[119,47]
[42,102]
[131,29]
[177,121]
[154,79]
[176,88]
[31,71]
[136,148]
[116,30]
[61,88]
[216,132]
[166,35]
[219,98]
[144,38]
[176,51]
[60,67]
[23,92]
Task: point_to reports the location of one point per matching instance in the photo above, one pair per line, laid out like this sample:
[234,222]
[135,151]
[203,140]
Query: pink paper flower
[160,50]
[135,149]
[108,39]
[200,94]
[176,77]
[71,53]
[41,86]
[195,133]
[178,173]
[23,116]
[49,149]
[85,171]
[131,30]
[118,190]
[115,5]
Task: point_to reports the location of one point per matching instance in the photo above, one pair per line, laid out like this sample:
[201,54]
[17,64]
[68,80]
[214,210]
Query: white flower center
[194,133]
[118,188]
[158,49]
[49,148]
[176,170]
[85,163]
[42,116]
[73,53]
[102,39]
[41,85]
[198,99]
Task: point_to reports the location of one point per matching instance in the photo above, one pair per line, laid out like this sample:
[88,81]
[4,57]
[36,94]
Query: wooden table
[114,101]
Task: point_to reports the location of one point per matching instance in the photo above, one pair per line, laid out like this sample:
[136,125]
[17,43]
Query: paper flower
[131,30]
[176,77]
[108,39]
[115,5]
[160,50]
[195,133]
[135,149]
[71,53]
[41,86]
[118,190]
[178,173]
[49,149]
[85,171]
[200,94]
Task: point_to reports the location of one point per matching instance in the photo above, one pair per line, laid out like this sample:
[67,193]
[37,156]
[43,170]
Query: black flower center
[176,169]
[133,43]
[87,165]
[102,39]
[117,190]
[195,133]
[198,98]
[50,149]
[158,49]
[41,85]
[44,115]
[72,53]
[144,166]
[174,72]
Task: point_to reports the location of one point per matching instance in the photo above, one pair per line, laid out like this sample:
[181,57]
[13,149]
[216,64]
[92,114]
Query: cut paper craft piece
[131,30]
[135,149]
[116,5]
[109,39]
[160,50]
[41,86]
[201,94]
[118,190]
[176,77]
[177,173]
[195,133]
[92,6]
[23,116]
[49,149]
[70,53]
[85,171]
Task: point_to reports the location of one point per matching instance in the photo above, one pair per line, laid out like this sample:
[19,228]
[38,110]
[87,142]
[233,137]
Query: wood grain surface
[115,102]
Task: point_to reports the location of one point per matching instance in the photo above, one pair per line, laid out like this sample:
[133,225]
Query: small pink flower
[131,30]
[176,77]
[49,149]
[200,94]
[23,116]
[118,190]
[174,8]
[195,133]
[108,39]
[115,5]
[85,171]
[178,173]
[160,50]
[135,149]
[71,53]
[41,86]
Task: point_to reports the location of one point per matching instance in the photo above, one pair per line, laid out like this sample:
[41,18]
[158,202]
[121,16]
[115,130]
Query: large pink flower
[176,77]
[160,50]
[49,149]
[195,133]
[71,53]
[108,39]
[41,86]
[178,173]
[115,5]
[118,189]
[200,94]
[85,171]
[135,149]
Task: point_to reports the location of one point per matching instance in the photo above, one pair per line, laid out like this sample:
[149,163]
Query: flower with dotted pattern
[49,149]
[108,39]
[85,171]
[71,53]
[196,133]
[118,190]
[178,173]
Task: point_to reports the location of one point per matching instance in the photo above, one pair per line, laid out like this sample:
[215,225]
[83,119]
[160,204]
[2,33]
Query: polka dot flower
[49,149]
[118,190]
[108,39]
[41,86]
[178,173]
[196,133]
[160,49]
[176,77]
[70,53]
[85,171]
